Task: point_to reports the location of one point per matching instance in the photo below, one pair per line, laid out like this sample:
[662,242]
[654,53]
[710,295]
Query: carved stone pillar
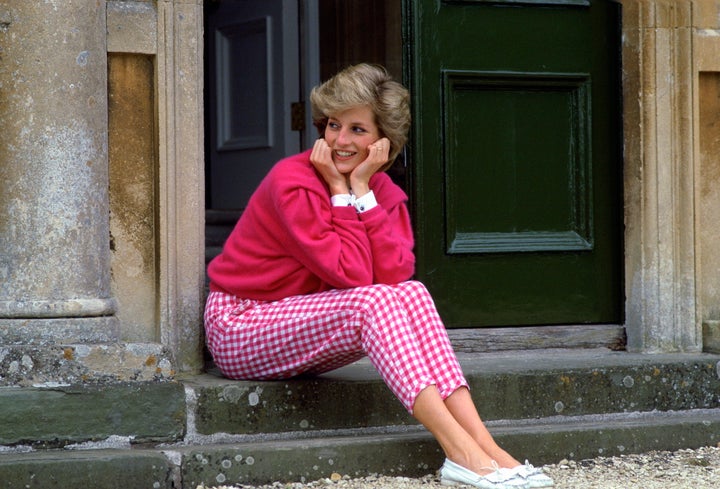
[54,235]
[182,195]
[659,176]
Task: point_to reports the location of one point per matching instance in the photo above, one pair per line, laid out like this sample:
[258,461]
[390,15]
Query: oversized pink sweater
[290,240]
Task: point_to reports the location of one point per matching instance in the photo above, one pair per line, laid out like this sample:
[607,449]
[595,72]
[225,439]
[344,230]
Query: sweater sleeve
[329,241]
[391,241]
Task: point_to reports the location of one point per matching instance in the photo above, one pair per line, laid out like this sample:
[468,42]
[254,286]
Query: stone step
[544,405]
[410,453]
[505,385]
[56,416]
[414,453]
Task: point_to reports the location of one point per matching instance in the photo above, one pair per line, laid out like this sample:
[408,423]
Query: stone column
[54,231]
[181,168]
[660,263]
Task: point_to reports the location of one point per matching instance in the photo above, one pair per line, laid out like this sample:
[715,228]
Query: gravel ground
[684,469]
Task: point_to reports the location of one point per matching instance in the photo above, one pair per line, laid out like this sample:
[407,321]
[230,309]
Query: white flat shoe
[533,475]
[452,474]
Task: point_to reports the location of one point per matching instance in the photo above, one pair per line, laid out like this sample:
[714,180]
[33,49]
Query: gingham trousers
[396,326]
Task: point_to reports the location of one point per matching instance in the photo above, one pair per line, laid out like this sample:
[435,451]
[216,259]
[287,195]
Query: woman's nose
[343,136]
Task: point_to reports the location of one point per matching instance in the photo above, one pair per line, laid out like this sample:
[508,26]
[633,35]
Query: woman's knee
[376,295]
[413,287]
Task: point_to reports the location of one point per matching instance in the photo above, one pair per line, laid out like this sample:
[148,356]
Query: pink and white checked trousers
[396,326]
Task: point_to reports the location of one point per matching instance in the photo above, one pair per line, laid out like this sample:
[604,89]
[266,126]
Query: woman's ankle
[503,458]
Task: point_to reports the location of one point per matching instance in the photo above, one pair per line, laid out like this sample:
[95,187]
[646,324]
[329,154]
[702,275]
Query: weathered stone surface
[660,272]
[132,27]
[544,405]
[294,405]
[132,152]
[71,363]
[544,384]
[94,469]
[181,210]
[587,437]
[252,463]
[709,181]
[711,336]
[417,454]
[54,249]
[58,415]
[626,383]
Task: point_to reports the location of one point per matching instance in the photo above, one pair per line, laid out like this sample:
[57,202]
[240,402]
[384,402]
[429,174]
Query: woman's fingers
[380,150]
[321,153]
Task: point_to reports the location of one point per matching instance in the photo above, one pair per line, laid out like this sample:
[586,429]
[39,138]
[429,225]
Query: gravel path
[684,469]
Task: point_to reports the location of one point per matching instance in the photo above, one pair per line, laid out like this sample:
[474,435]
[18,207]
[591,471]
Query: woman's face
[349,134]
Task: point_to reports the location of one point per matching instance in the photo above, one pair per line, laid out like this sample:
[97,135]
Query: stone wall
[706,42]
[101,194]
[157,199]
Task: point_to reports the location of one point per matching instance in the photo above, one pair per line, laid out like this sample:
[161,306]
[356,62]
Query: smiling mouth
[344,154]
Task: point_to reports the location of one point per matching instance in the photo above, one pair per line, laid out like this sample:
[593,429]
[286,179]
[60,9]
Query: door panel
[517,160]
[253,80]
[516,144]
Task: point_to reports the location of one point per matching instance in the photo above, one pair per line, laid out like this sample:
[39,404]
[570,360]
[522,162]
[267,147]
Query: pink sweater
[290,240]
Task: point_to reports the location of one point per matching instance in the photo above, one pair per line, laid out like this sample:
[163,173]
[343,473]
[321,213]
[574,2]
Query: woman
[316,275]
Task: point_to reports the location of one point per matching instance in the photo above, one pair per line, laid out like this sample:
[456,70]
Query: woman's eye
[333,125]
[358,129]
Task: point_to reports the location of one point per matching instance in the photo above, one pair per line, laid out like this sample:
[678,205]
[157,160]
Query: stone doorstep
[53,416]
[94,469]
[543,405]
[505,385]
[413,453]
[416,453]
[202,409]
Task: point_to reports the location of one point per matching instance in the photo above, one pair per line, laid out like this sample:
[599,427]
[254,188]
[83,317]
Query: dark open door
[253,80]
[517,160]
[262,58]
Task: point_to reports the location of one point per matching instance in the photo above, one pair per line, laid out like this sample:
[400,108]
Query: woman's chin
[344,168]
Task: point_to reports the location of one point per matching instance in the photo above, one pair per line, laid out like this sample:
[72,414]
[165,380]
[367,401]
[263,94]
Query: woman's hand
[378,155]
[321,159]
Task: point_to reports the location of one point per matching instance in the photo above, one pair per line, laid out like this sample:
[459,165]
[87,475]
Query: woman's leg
[316,333]
[432,336]
[397,326]
[455,441]
[446,370]
[319,332]
[273,340]
[462,408]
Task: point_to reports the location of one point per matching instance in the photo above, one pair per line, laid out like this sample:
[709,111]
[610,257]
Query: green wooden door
[517,159]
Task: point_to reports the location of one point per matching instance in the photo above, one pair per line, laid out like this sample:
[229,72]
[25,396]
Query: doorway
[515,178]
[262,58]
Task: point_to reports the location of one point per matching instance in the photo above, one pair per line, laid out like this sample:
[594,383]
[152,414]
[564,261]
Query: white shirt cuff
[366,202]
[342,200]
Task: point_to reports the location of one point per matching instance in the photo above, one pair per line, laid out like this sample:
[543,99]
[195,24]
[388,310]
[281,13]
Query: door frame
[656,319]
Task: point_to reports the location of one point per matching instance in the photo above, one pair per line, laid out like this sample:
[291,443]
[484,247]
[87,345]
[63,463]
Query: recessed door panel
[253,81]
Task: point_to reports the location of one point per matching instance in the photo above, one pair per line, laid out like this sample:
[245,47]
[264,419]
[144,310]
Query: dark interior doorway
[261,60]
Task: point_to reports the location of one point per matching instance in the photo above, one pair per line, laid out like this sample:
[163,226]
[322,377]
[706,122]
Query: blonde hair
[368,85]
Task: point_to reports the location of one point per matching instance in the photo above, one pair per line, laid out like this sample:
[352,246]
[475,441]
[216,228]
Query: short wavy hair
[366,85]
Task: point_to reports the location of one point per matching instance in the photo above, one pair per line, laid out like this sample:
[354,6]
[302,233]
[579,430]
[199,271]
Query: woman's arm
[329,241]
[391,241]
